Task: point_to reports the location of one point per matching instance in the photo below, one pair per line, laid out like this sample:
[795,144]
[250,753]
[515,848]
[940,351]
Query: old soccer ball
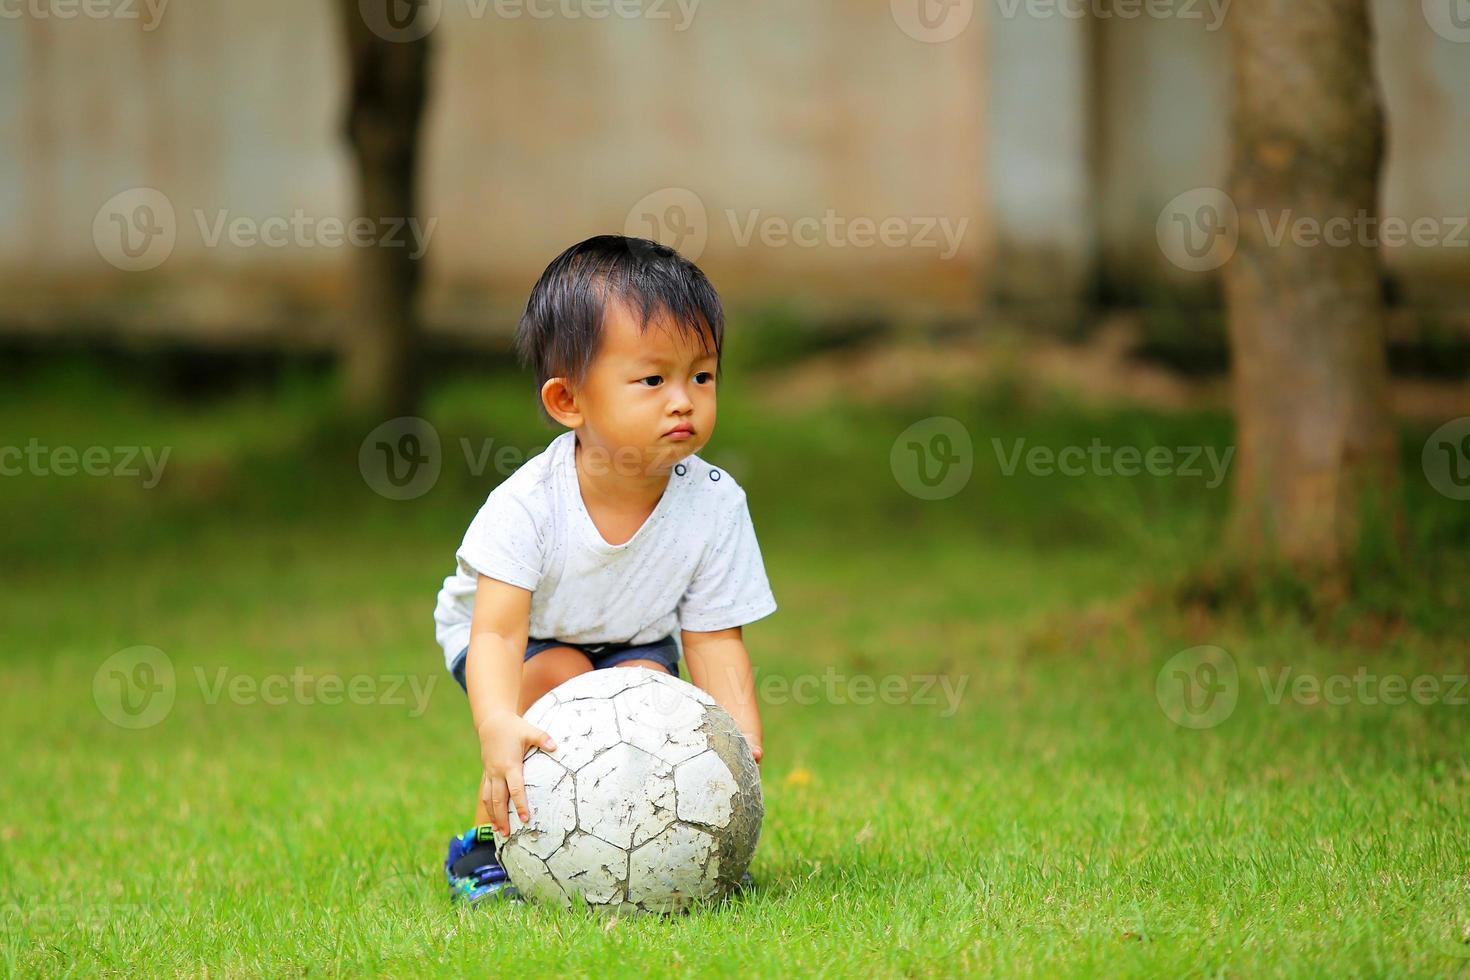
[651,801]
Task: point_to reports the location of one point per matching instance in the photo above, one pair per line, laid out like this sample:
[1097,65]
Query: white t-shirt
[693,565]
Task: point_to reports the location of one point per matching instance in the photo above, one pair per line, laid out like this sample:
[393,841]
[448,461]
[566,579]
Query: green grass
[1056,822]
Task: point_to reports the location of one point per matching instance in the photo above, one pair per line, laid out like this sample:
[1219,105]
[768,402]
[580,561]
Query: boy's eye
[653,380]
[706,376]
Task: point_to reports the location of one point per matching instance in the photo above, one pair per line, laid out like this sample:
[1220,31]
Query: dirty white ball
[651,801]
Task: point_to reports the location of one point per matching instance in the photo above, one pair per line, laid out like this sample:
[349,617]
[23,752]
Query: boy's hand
[754,741]
[505,739]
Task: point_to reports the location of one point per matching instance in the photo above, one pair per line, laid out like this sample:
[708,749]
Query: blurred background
[1100,359]
[1025,151]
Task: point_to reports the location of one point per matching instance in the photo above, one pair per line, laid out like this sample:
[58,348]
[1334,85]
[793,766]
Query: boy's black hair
[561,330]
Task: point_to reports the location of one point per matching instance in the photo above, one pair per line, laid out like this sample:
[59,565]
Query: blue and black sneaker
[473,869]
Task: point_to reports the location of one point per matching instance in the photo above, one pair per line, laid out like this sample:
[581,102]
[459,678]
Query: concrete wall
[1040,151]
[1008,148]
[773,139]
[1165,109]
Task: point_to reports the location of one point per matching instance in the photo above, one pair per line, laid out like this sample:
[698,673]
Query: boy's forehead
[624,338]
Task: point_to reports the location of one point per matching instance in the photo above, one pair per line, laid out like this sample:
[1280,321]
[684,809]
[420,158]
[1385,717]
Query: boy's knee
[550,668]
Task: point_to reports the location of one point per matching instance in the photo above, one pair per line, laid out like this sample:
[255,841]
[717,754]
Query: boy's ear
[561,402]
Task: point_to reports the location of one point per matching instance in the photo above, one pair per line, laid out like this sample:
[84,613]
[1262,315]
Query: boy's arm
[719,663]
[498,627]
[492,674]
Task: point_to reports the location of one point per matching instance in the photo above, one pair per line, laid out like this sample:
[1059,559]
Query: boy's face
[642,389]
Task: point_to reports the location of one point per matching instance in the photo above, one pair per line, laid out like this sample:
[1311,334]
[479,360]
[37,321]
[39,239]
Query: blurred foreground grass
[1033,810]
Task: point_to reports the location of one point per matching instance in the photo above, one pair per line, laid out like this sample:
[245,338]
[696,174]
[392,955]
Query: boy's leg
[550,668]
[544,671]
[472,865]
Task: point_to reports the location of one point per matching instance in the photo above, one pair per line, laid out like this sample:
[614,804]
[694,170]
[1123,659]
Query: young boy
[593,552]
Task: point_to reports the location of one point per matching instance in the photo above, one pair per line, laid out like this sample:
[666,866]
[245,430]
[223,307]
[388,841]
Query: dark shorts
[665,651]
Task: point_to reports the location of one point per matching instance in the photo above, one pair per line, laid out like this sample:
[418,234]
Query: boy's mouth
[681,431]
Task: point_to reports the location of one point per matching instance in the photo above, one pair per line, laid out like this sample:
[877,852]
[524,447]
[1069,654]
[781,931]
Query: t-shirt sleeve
[730,587]
[504,541]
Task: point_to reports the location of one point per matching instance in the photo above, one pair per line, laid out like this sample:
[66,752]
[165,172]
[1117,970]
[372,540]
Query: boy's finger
[518,794]
[498,816]
[538,737]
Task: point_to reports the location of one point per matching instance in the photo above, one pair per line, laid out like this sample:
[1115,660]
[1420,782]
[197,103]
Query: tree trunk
[1316,443]
[388,80]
